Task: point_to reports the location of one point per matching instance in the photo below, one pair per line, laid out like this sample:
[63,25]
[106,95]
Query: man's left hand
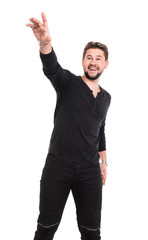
[103,168]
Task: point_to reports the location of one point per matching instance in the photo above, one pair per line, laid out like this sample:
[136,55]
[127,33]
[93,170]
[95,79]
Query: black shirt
[79,117]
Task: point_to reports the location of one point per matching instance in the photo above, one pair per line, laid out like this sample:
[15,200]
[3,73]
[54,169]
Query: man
[78,139]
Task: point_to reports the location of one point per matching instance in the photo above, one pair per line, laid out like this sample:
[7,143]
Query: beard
[94,77]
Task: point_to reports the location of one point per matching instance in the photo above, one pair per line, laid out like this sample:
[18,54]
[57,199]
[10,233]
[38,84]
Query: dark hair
[96,45]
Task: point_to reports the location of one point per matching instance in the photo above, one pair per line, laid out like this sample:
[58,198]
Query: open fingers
[33,26]
[29,25]
[35,21]
[44,19]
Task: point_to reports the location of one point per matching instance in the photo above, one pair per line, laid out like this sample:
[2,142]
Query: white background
[27,102]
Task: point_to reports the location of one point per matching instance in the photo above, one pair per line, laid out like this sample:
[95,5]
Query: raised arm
[59,77]
[41,33]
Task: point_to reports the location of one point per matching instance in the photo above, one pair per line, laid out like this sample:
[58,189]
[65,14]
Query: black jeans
[85,182]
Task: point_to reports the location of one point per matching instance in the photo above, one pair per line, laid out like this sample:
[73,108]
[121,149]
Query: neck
[93,84]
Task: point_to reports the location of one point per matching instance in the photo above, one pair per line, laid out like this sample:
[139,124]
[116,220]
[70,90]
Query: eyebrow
[96,56]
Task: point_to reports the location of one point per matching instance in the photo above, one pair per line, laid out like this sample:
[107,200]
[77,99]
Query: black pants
[85,182]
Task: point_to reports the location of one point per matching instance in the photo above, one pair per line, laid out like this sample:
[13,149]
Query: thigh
[55,186]
[87,192]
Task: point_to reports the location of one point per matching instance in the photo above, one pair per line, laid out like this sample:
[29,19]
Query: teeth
[92,68]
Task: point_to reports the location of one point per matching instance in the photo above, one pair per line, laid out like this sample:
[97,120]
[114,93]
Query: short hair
[98,45]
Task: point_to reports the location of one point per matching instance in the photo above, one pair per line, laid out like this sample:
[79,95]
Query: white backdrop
[27,102]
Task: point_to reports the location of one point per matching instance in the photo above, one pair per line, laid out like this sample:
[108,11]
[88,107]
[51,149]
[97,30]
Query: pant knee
[89,233]
[49,226]
[45,232]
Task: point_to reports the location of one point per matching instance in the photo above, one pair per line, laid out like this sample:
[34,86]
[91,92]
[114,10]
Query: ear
[106,64]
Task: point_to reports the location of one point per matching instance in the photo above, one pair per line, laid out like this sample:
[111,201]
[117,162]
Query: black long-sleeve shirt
[79,117]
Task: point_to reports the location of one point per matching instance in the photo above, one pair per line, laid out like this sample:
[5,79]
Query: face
[94,63]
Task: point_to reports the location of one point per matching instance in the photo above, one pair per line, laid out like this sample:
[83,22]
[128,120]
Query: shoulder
[106,96]
[106,93]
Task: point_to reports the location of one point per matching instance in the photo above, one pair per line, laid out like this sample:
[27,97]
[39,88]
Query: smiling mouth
[92,69]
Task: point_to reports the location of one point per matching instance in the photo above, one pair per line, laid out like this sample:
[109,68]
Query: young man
[77,142]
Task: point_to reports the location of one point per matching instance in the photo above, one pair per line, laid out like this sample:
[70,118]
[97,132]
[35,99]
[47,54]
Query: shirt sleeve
[102,140]
[59,77]
[102,137]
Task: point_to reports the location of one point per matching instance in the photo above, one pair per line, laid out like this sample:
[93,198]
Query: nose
[93,61]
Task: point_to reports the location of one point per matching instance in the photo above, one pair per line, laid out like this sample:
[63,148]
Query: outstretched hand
[40,29]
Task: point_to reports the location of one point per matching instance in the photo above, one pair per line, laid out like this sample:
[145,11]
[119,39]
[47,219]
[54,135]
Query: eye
[98,59]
